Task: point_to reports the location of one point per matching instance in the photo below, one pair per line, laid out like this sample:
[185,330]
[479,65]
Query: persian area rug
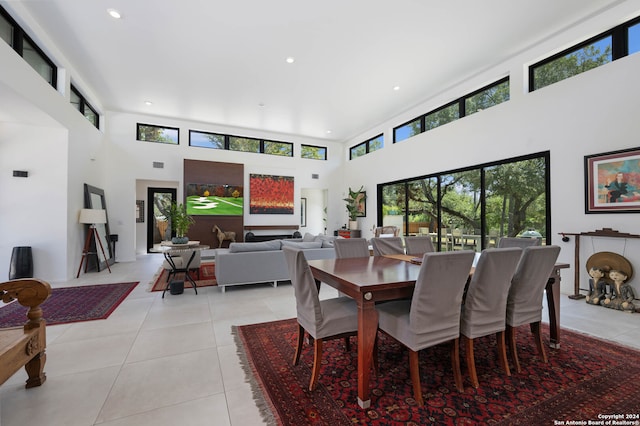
[584,379]
[71,304]
[207,277]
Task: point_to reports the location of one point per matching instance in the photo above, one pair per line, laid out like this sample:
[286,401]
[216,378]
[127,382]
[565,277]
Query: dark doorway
[158,222]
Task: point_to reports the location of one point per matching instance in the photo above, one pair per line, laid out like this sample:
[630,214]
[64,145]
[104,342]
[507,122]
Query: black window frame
[367,146]
[19,37]
[264,142]
[177,129]
[258,140]
[461,102]
[619,49]
[546,155]
[84,105]
[225,142]
[324,149]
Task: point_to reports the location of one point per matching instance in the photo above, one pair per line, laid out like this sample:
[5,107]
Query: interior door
[158,222]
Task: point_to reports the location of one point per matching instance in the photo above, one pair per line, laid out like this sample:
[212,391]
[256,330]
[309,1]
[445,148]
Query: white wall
[591,113]
[42,133]
[32,209]
[134,160]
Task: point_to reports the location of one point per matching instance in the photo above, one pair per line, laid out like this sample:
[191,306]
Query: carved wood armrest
[30,293]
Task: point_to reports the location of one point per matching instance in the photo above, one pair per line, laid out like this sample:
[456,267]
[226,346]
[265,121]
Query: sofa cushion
[302,244]
[326,240]
[259,246]
[308,237]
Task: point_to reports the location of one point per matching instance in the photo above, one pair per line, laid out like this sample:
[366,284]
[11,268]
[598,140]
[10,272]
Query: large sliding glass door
[472,208]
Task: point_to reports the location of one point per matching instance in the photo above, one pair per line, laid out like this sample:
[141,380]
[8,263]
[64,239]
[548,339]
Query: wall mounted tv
[206,199]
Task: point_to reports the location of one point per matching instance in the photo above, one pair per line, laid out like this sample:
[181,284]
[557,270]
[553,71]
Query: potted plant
[353,205]
[180,223]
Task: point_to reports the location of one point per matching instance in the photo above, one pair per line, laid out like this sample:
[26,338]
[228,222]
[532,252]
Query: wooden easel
[604,232]
[93,233]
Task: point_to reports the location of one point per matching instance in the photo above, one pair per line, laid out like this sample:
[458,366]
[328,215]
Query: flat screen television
[207,199]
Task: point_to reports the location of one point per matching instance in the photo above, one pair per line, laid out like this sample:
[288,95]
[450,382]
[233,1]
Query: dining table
[373,279]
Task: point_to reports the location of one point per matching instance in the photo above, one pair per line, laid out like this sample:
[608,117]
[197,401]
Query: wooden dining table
[373,279]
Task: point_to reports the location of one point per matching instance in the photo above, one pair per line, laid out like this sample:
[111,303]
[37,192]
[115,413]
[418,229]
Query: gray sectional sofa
[259,262]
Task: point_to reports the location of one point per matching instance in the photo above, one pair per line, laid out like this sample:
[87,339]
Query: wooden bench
[25,346]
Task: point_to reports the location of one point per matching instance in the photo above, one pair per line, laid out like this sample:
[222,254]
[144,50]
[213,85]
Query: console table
[604,232]
[348,233]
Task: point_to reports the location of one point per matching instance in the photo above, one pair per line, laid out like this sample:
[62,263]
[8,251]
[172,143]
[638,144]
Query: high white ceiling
[223,62]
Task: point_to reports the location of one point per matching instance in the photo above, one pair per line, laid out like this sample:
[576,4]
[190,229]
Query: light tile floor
[173,361]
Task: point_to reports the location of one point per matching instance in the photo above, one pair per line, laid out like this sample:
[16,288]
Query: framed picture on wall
[612,182]
[270,194]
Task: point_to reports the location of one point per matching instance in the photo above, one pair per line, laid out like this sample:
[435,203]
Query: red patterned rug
[71,304]
[585,379]
[206,278]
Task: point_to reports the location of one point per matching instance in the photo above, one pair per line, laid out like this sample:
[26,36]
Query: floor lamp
[92,217]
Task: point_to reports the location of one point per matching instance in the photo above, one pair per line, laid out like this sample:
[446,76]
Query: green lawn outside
[214,206]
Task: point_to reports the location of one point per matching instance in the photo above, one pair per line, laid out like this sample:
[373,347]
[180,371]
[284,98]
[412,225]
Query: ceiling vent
[315,176]
[158,165]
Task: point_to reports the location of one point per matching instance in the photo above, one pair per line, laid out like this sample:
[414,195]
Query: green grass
[215,206]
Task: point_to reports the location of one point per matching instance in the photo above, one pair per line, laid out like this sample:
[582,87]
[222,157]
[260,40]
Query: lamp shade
[93,216]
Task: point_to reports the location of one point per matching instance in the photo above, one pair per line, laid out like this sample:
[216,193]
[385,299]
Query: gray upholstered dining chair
[432,316]
[505,242]
[485,304]
[391,230]
[524,303]
[390,245]
[322,319]
[351,247]
[419,245]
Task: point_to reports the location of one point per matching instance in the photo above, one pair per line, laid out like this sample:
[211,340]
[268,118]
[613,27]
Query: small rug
[71,304]
[583,380]
[207,277]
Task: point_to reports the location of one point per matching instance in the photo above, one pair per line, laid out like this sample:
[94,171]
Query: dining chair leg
[347,344]
[414,369]
[296,355]
[455,365]
[537,334]
[471,362]
[502,352]
[317,358]
[511,340]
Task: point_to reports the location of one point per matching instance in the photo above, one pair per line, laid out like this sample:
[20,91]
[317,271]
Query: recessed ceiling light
[114,13]
[261,104]
[290,60]
[148,103]
[328,132]
[396,88]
